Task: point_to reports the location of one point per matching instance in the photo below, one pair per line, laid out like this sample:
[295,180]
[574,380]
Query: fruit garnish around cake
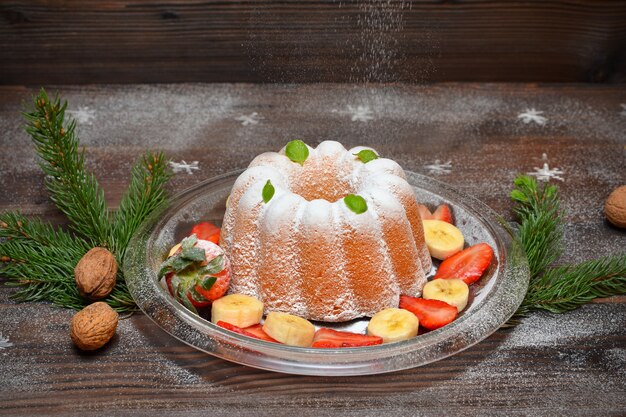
[255,331]
[469,265]
[432,314]
[442,239]
[442,212]
[329,338]
[393,325]
[206,231]
[196,274]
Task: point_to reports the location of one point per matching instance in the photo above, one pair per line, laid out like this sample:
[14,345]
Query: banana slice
[452,291]
[174,250]
[442,239]
[237,309]
[288,329]
[393,325]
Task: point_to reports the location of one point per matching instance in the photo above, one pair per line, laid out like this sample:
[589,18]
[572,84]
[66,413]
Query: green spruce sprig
[73,190]
[38,258]
[557,289]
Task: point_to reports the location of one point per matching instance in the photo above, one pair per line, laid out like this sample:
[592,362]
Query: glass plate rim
[312,355]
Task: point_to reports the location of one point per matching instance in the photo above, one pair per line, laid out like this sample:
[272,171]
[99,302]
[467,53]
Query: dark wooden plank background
[571,364]
[125,41]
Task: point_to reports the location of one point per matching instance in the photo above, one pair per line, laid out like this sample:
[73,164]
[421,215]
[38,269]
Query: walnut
[615,207]
[95,274]
[93,326]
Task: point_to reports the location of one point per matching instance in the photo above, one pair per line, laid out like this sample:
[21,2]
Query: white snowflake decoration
[439,168]
[251,119]
[545,173]
[623,113]
[184,166]
[360,113]
[4,342]
[84,115]
[532,115]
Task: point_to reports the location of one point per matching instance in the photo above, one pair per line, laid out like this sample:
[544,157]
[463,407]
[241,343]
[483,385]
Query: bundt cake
[326,234]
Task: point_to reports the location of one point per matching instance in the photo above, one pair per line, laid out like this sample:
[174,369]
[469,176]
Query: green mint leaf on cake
[366,155]
[297,151]
[268,192]
[356,203]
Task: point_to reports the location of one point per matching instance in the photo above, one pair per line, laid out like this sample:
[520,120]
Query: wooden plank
[121,41]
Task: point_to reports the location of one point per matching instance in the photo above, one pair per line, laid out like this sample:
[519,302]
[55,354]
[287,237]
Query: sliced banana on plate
[393,325]
[442,239]
[237,309]
[452,291]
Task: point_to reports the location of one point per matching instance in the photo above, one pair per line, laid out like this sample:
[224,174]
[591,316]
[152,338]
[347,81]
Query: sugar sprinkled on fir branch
[38,258]
[558,289]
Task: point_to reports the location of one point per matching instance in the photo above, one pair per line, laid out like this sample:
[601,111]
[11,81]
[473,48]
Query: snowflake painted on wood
[360,113]
[439,168]
[251,119]
[623,113]
[184,166]
[4,342]
[84,115]
[532,115]
[545,173]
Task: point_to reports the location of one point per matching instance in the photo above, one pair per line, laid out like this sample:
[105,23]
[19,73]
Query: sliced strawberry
[206,231]
[468,265]
[424,212]
[258,332]
[168,283]
[329,338]
[255,331]
[432,314]
[197,300]
[443,213]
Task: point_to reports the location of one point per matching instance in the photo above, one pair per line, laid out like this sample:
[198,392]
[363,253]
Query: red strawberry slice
[443,213]
[206,231]
[255,331]
[329,338]
[425,214]
[468,265]
[258,332]
[432,314]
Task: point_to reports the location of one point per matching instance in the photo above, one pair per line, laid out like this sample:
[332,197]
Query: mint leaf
[356,203]
[268,192]
[297,151]
[366,155]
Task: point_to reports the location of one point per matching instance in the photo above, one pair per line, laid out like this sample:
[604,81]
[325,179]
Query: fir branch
[567,287]
[541,222]
[74,191]
[540,232]
[39,261]
[145,193]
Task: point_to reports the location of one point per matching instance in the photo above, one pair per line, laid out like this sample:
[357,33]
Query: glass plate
[493,299]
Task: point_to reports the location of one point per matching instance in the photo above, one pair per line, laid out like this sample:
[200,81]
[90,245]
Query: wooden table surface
[468,135]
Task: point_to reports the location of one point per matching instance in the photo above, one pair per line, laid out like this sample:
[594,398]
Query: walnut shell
[95,274]
[615,207]
[93,326]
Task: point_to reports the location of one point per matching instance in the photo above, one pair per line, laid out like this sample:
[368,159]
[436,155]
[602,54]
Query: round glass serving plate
[493,299]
